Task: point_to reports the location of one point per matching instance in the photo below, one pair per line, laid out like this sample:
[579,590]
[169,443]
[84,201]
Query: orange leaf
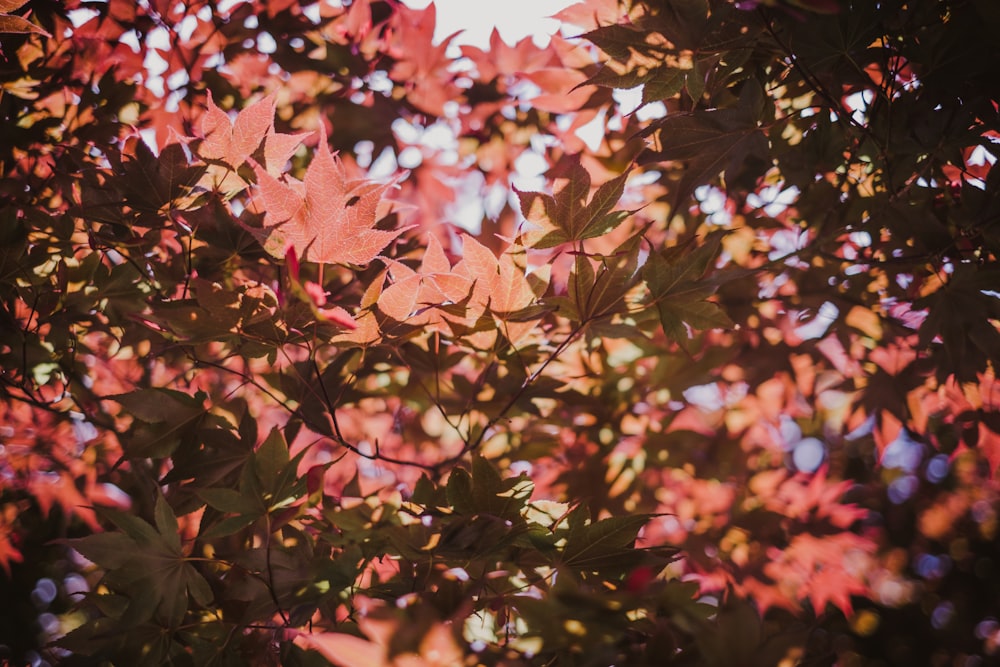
[502,283]
[8,552]
[325,218]
[559,92]
[346,650]
[367,331]
[501,59]
[414,294]
[232,142]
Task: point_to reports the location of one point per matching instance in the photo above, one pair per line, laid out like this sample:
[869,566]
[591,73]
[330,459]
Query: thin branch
[270,572]
[297,413]
[512,401]
[814,83]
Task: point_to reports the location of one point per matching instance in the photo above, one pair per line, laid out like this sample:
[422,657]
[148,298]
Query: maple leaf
[501,59]
[590,13]
[722,140]
[560,89]
[414,295]
[147,563]
[437,649]
[987,444]
[314,296]
[822,560]
[680,293]
[603,544]
[233,142]
[421,64]
[153,183]
[325,218]
[502,286]
[50,489]
[366,331]
[568,216]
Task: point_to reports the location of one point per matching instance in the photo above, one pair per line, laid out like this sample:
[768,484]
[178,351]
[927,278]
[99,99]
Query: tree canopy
[671,342]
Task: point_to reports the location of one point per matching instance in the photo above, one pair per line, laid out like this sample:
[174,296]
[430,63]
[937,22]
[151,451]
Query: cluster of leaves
[706,377]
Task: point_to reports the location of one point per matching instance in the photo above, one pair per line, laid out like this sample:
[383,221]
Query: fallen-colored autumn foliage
[671,342]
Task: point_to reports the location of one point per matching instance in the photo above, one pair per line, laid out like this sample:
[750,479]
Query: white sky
[515,19]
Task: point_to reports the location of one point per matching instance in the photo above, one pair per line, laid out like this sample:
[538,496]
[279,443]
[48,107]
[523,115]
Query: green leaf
[568,216]
[158,405]
[671,273]
[596,220]
[612,76]
[605,224]
[711,142]
[270,459]
[581,283]
[618,41]
[168,416]
[143,533]
[166,523]
[700,315]
[149,568]
[229,526]
[600,292]
[229,500]
[197,586]
[151,182]
[539,208]
[425,492]
[486,482]
[108,550]
[504,498]
[664,85]
[606,543]
[679,292]
[459,491]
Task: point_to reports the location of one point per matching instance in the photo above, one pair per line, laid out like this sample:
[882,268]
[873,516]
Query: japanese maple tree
[717,386]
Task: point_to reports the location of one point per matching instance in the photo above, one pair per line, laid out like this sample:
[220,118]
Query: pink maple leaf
[233,142]
[414,295]
[325,218]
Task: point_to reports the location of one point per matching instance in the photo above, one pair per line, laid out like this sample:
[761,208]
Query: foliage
[715,388]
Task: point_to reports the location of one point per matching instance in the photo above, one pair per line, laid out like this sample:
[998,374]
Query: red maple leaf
[314,295]
[325,218]
[501,285]
[233,142]
[366,331]
[414,295]
[591,14]
[500,59]
[421,66]
[437,648]
[16,24]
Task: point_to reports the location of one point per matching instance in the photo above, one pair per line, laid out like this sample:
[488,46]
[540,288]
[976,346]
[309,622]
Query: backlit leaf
[326,218]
